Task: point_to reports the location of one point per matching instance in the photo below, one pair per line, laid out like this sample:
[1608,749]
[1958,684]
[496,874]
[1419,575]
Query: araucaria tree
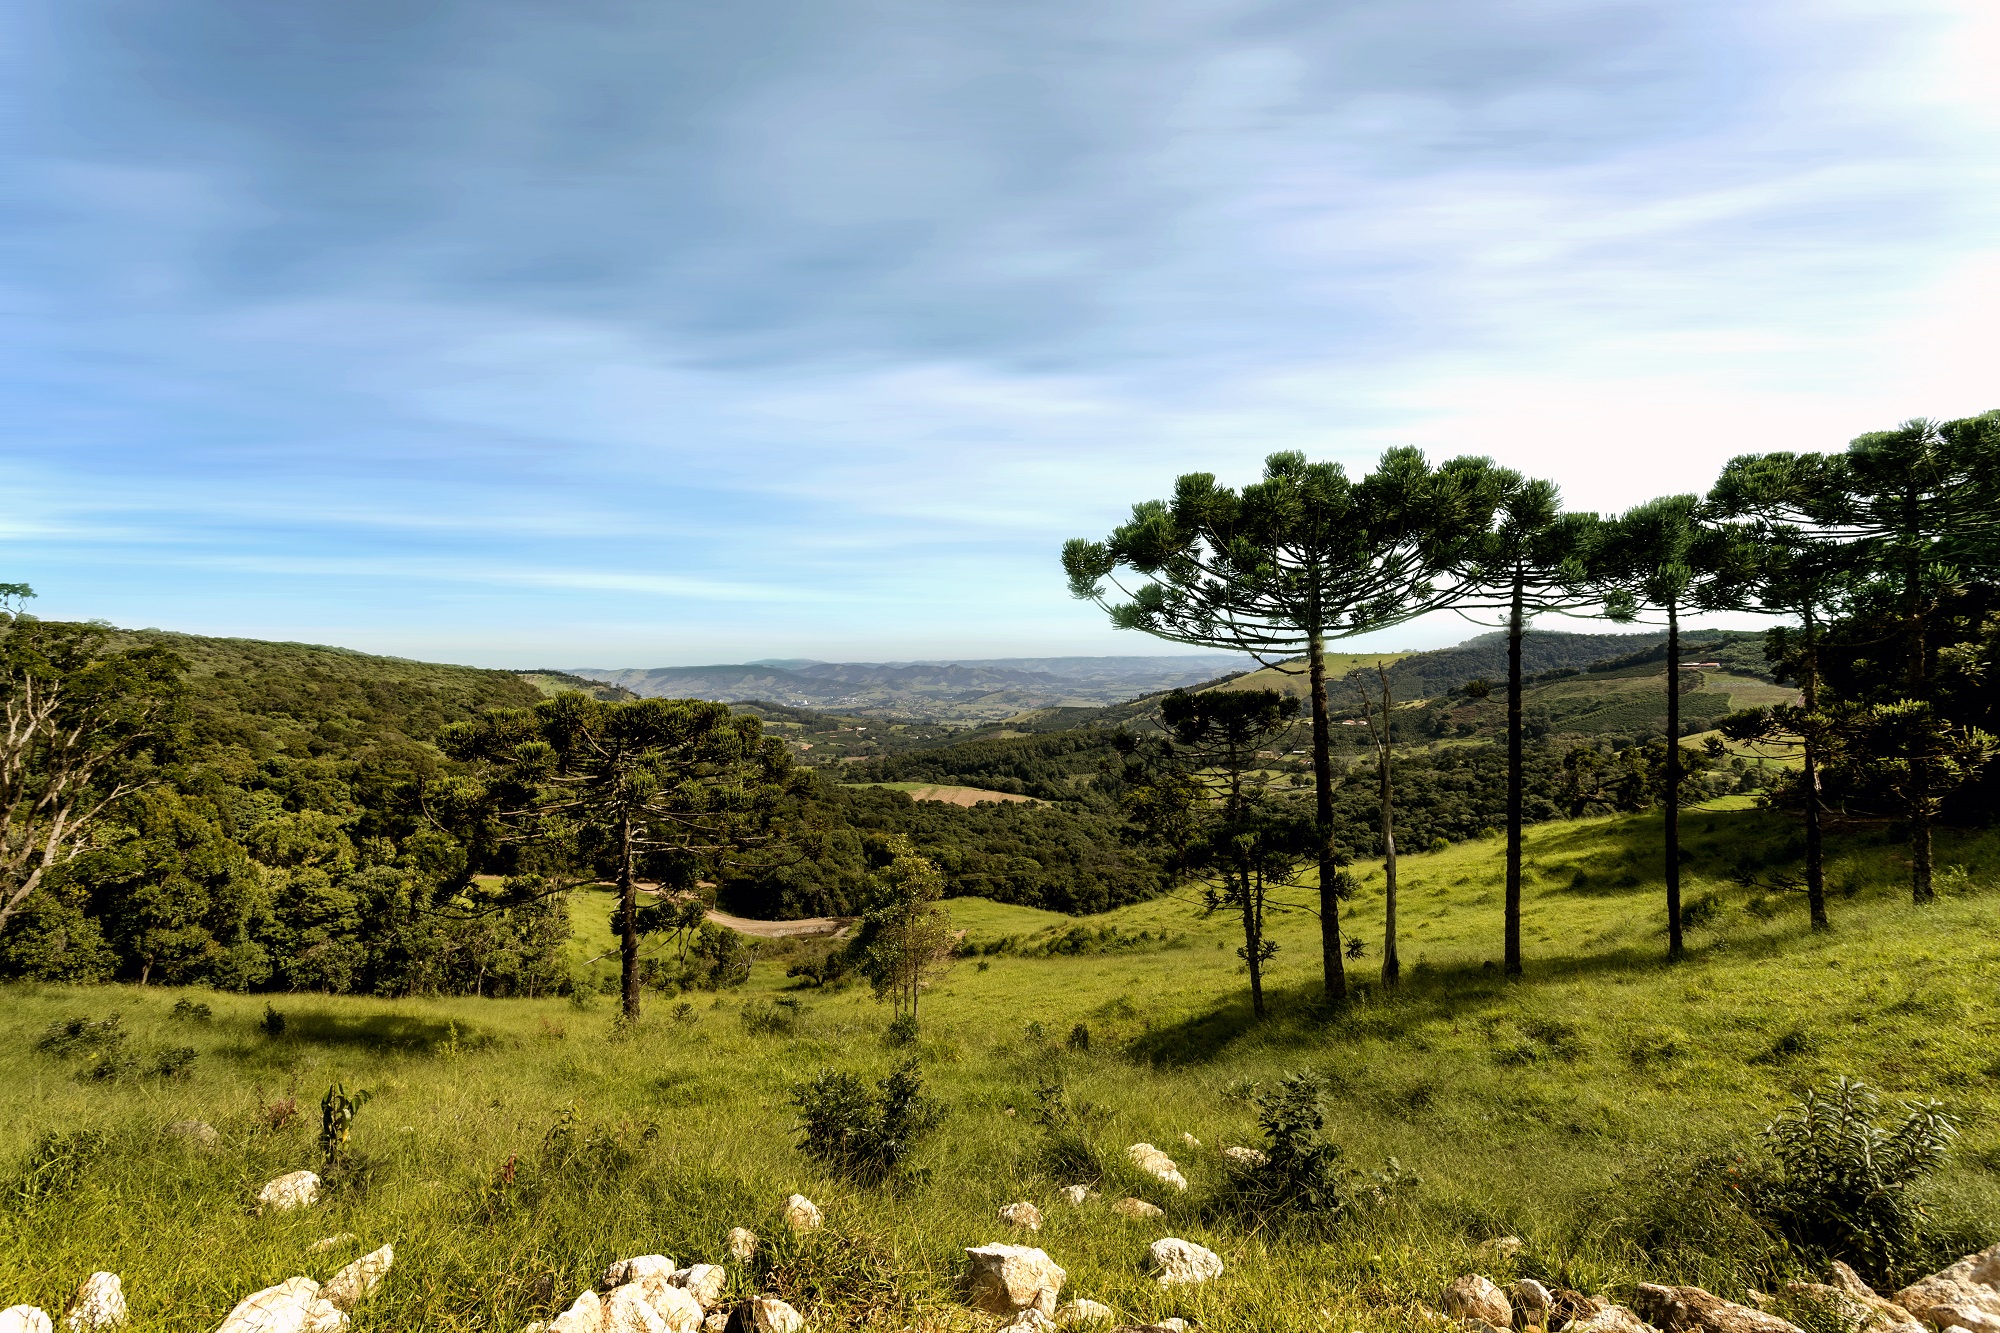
[1301,557]
[79,722]
[906,940]
[666,789]
[1199,795]
[1533,560]
[1655,557]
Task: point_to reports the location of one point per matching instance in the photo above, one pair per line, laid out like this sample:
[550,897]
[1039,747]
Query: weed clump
[1303,1181]
[1067,1153]
[865,1136]
[57,1164]
[191,1011]
[82,1036]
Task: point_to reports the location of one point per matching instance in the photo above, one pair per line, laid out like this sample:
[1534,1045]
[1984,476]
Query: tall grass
[513,1148]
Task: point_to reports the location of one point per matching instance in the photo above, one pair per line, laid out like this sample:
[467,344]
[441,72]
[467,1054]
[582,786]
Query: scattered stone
[24,1319]
[293,1306]
[742,1244]
[1679,1309]
[704,1282]
[801,1213]
[1156,1164]
[1190,1140]
[626,1310]
[1610,1319]
[1030,1320]
[1137,1209]
[585,1316]
[716,1323]
[1854,1304]
[1006,1278]
[332,1243]
[1475,1299]
[350,1285]
[1077,1195]
[98,1303]
[1083,1314]
[1501,1247]
[197,1132]
[297,1189]
[1178,1262]
[1249,1159]
[768,1314]
[1531,1301]
[1022,1215]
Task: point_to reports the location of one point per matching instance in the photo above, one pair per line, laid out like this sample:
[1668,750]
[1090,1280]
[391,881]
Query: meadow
[513,1148]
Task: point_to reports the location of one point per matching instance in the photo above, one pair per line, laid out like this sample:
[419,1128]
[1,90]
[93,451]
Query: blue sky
[520,332]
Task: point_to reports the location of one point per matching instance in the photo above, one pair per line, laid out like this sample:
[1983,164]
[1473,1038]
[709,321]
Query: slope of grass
[1561,1109]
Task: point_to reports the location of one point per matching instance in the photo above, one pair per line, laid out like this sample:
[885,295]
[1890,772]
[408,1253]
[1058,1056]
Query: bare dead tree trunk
[628,920]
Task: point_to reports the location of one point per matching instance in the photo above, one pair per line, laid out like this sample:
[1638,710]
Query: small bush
[1789,1045]
[902,1030]
[1303,1180]
[1067,1153]
[866,1136]
[174,1062]
[336,1124]
[767,1020]
[191,1011]
[1847,1183]
[274,1022]
[1079,1037]
[82,1036]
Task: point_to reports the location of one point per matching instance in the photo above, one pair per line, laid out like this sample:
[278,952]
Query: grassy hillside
[1565,1109]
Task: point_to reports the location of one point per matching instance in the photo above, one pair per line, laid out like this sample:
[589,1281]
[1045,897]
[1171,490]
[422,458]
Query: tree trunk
[1815,846]
[1329,865]
[1515,628]
[1392,964]
[1253,942]
[1673,795]
[628,921]
[1921,891]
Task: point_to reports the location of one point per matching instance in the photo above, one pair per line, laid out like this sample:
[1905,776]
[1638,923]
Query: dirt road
[804,928]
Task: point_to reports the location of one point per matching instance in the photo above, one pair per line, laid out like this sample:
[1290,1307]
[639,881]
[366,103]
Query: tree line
[1882,555]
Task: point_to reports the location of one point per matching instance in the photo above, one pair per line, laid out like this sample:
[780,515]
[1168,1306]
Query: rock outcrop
[99,1303]
[1686,1309]
[1003,1279]
[1176,1262]
[1156,1164]
[1966,1294]
[295,1189]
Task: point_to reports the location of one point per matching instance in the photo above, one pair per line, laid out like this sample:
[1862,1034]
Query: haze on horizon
[658,335]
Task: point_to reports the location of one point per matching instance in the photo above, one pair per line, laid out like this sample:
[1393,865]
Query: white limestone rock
[1475,1299]
[99,1303]
[25,1319]
[1190,1140]
[626,1310]
[1030,1320]
[742,1244]
[1137,1209]
[1076,1196]
[195,1133]
[704,1282]
[802,1214]
[633,1269]
[1179,1262]
[1005,1278]
[768,1314]
[1156,1164]
[292,1306]
[1022,1214]
[1244,1159]
[1531,1301]
[679,1311]
[585,1315]
[326,1243]
[716,1323]
[351,1285]
[1084,1314]
[295,1189]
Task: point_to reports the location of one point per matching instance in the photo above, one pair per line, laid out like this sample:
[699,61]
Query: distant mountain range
[985,689]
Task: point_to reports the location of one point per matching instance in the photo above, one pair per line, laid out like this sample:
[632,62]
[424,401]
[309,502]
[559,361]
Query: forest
[257,816]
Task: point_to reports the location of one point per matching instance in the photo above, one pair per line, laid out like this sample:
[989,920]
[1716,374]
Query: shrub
[56,1164]
[191,1011]
[336,1124]
[902,1030]
[866,1136]
[1846,1184]
[1302,1179]
[82,1036]
[767,1020]
[1067,1153]
[274,1022]
[174,1062]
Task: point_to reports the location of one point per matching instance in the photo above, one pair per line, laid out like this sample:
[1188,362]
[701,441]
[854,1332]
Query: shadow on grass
[387,1034]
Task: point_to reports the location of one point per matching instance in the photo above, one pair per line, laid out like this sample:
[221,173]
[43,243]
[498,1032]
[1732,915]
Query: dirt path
[804,927]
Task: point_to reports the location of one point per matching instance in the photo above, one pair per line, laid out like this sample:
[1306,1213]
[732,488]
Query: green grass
[1558,1109]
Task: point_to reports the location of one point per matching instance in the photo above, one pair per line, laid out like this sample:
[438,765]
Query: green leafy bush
[1067,1152]
[1302,1179]
[82,1036]
[865,1136]
[1847,1181]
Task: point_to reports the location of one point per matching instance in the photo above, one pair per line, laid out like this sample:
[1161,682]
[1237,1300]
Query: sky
[598,332]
